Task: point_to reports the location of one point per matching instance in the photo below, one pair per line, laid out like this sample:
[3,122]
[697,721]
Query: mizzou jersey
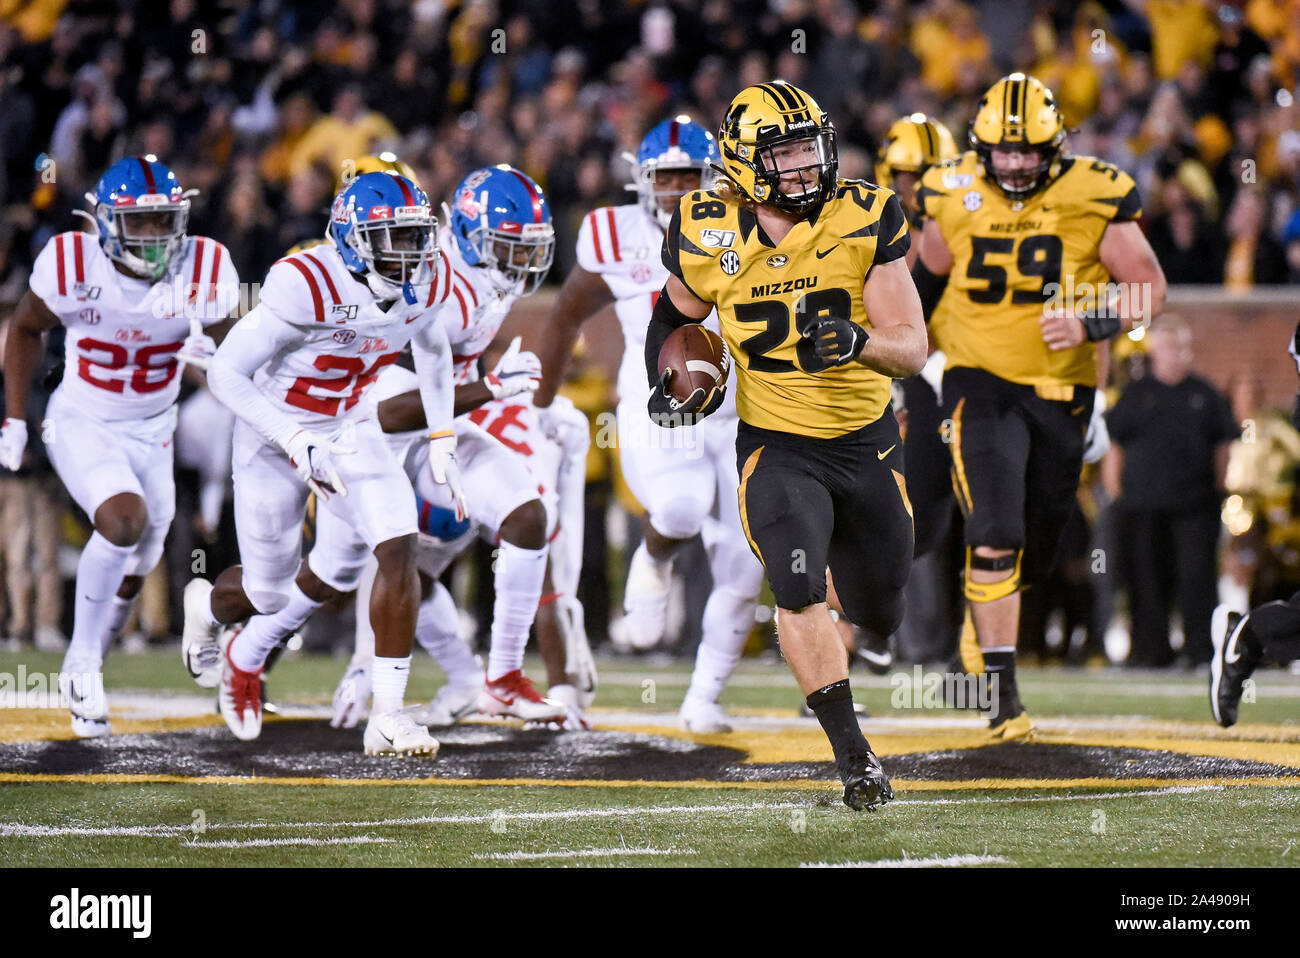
[1010,257]
[766,295]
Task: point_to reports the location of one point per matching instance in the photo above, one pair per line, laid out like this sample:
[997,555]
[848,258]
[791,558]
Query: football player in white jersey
[500,244]
[497,247]
[558,469]
[686,478]
[134,300]
[294,371]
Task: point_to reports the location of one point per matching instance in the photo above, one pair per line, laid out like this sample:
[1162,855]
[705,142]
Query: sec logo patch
[972,201]
[730,262]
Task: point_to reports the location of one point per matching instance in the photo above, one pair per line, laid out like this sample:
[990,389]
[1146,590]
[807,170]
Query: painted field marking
[22,830]
[936,861]
[581,853]
[282,842]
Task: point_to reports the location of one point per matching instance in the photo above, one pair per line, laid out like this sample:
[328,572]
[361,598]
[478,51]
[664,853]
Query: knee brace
[991,591]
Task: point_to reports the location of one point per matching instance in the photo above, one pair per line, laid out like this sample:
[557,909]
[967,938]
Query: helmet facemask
[654,197]
[147,237]
[797,168]
[516,263]
[399,253]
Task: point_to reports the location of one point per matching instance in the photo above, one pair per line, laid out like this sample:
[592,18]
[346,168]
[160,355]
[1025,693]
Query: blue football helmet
[383,226]
[502,223]
[676,144]
[140,214]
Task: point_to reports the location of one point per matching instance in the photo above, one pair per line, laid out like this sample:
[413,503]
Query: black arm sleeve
[665,318]
[929,285]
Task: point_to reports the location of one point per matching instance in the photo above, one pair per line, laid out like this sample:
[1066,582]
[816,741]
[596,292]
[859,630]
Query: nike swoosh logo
[882,455]
[509,701]
[821,253]
[1075,411]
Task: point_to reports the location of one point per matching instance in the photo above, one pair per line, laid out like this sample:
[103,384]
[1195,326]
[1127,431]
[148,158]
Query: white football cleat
[645,600]
[571,698]
[87,703]
[451,704]
[515,695]
[703,718]
[240,698]
[398,733]
[352,697]
[200,647]
[50,639]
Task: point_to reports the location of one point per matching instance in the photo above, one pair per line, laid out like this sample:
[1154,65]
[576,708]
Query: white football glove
[446,470]
[198,347]
[579,663]
[1097,441]
[932,373]
[516,372]
[311,454]
[13,440]
[352,697]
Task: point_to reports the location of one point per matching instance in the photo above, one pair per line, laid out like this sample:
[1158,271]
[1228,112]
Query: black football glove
[669,412]
[837,341]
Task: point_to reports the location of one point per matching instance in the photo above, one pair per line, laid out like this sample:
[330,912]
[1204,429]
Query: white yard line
[1072,797]
[950,861]
[521,856]
[18,829]
[281,842]
[21,830]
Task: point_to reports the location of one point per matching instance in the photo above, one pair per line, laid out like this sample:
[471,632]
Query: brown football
[697,357]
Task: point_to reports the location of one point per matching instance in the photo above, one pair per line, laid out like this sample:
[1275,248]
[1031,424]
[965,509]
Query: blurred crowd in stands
[260,103]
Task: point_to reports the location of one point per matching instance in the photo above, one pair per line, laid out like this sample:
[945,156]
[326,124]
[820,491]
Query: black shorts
[809,504]
[1016,459]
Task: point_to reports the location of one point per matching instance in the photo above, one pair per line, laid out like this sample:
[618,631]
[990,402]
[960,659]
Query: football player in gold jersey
[817,307]
[1030,257]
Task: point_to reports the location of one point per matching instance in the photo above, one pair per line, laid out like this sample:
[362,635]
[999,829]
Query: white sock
[519,577]
[436,631]
[100,572]
[389,683]
[119,614]
[365,641]
[728,619]
[263,633]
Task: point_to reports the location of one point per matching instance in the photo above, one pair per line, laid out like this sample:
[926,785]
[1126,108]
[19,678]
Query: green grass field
[1152,803]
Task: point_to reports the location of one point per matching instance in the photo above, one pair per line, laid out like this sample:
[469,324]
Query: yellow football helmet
[760,138]
[381,163]
[913,144]
[1019,114]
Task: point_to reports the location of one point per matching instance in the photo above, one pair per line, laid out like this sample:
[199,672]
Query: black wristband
[1101,327]
[929,285]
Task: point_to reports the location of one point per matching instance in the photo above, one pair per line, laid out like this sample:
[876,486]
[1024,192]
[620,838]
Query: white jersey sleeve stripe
[312,285]
[613,233]
[464,310]
[468,285]
[199,245]
[78,259]
[595,236]
[329,282]
[58,259]
[215,275]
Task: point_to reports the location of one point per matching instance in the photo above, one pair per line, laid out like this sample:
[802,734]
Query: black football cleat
[1235,658]
[874,652]
[865,783]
